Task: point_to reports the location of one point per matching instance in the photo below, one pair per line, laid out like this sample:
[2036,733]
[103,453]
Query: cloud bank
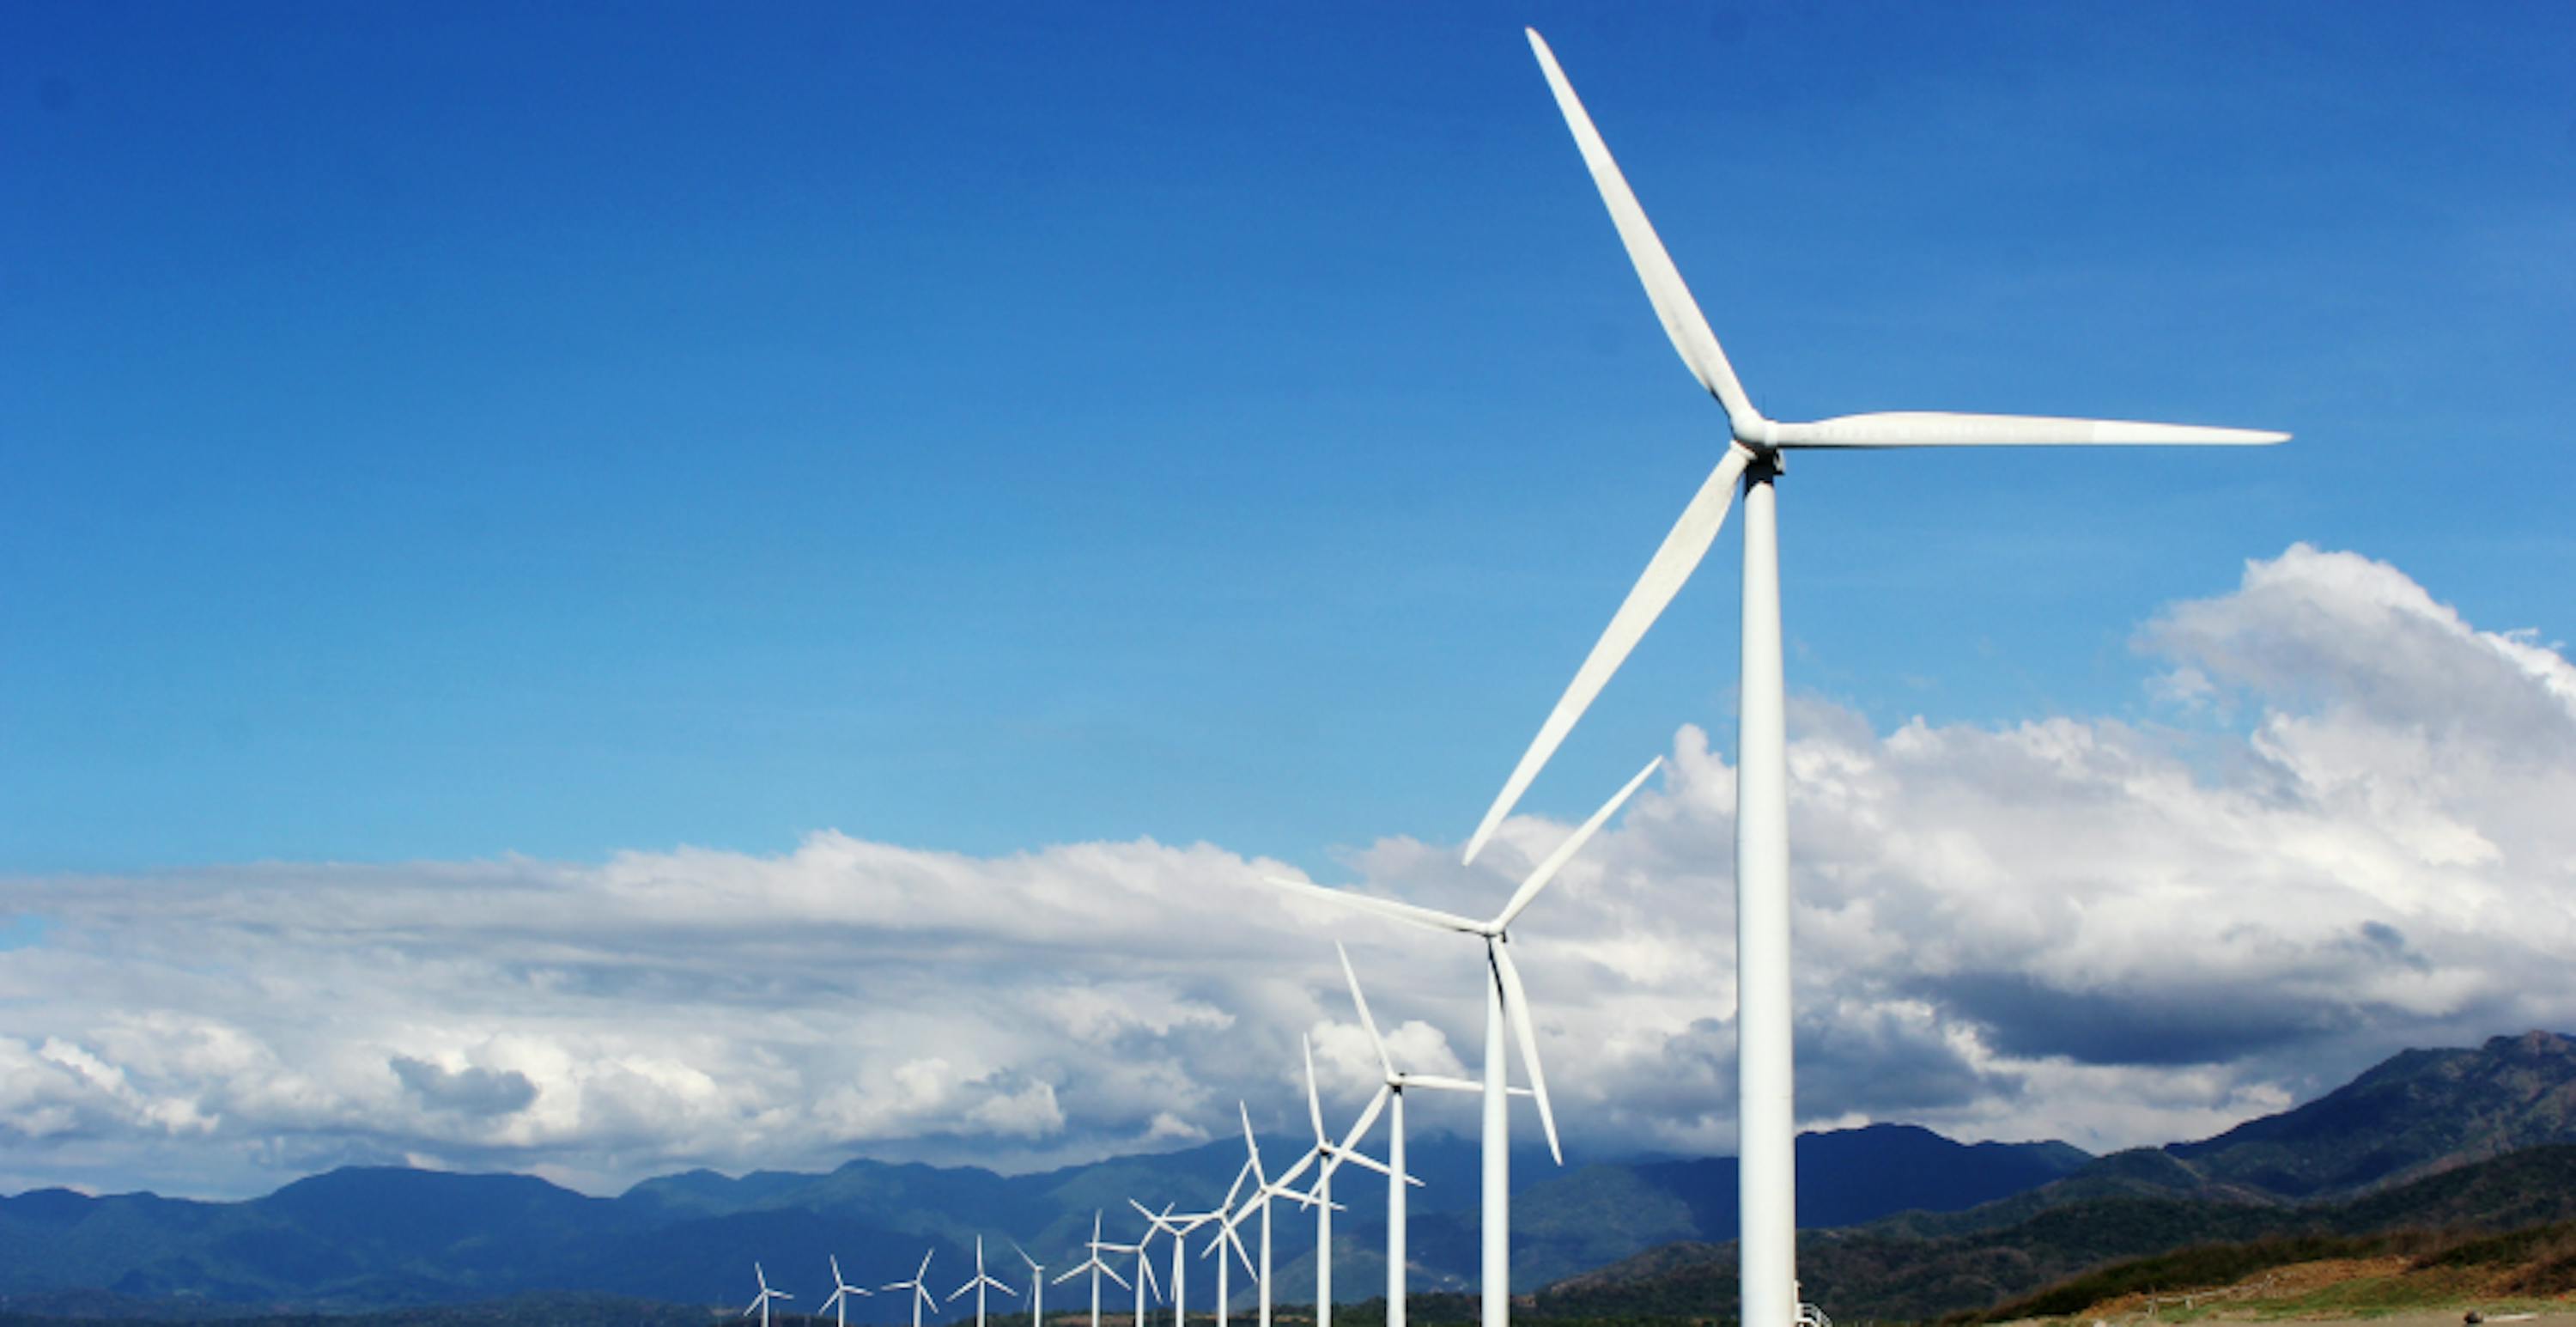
[2344,830]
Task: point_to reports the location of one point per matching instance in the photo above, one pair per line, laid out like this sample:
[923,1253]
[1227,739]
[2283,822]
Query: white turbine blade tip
[1516,1006]
[1683,323]
[1539,878]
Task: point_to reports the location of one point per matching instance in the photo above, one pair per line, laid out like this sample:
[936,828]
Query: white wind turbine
[1225,1236]
[980,1284]
[1144,1268]
[920,1291]
[1037,1286]
[1390,1098]
[761,1300]
[1263,1190]
[1334,1154]
[1766,1118]
[1097,1268]
[1505,1001]
[838,1305]
[1178,1227]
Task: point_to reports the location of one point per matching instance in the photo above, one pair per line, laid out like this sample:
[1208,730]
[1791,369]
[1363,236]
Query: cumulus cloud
[2344,832]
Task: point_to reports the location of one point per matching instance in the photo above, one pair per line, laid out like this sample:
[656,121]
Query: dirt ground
[2318,1294]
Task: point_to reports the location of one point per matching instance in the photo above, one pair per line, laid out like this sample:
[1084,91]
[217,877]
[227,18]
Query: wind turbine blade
[1442,1082]
[1436,920]
[1368,1115]
[1145,1273]
[1024,1257]
[760,1276]
[1361,1002]
[1231,1190]
[1674,306]
[1931,428]
[1546,872]
[1679,555]
[1072,1274]
[1314,1104]
[1280,1185]
[1516,1005]
[1227,1232]
[1250,1146]
[837,1278]
[1363,1160]
[925,1264]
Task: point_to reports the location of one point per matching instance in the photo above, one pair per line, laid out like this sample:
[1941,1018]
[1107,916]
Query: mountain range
[2438,1139]
[1613,1232]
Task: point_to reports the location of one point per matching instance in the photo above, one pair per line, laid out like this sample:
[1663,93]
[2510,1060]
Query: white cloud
[2107,931]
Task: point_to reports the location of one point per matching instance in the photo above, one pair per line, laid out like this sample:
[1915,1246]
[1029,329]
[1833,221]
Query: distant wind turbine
[1179,1228]
[1097,1268]
[1037,1286]
[1505,1001]
[1333,1155]
[1144,1269]
[1264,1190]
[1390,1097]
[920,1292]
[838,1304]
[1225,1237]
[980,1284]
[1754,453]
[761,1300]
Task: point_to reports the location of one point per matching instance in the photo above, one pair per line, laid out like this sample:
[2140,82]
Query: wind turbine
[838,1305]
[1505,1000]
[1390,1096]
[1263,1190]
[1333,1155]
[980,1284]
[1178,1227]
[1097,1269]
[1144,1267]
[1224,1236]
[920,1292]
[1037,1286]
[1754,452]
[761,1300]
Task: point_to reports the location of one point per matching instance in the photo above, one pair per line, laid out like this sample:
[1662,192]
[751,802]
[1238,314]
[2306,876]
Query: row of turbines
[1752,462]
[1241,1204]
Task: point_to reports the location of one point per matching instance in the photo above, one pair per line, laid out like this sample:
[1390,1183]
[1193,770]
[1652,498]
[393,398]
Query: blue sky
[451,431]
[445,433]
